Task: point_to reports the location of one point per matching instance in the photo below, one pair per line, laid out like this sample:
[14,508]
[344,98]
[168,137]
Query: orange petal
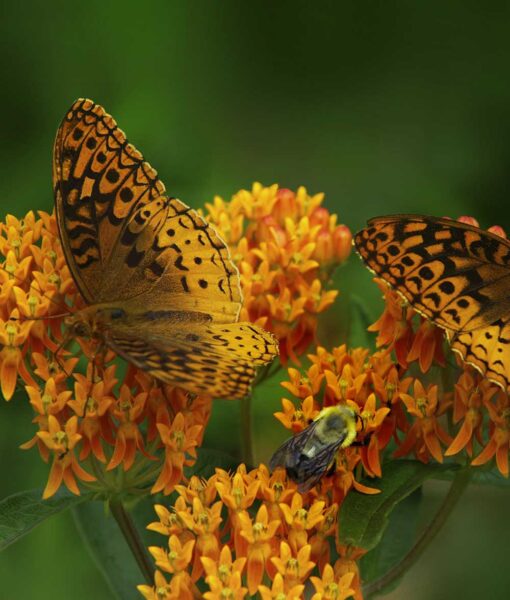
[54,479]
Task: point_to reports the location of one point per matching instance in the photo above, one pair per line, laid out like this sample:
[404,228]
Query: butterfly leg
[59,349]
[97,360]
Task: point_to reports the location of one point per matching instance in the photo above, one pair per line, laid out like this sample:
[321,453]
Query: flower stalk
[133,539]
[457,488]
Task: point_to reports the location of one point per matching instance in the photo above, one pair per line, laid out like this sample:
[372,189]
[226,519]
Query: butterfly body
[160,286]
[455,274]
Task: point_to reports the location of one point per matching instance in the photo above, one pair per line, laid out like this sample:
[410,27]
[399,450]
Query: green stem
[133,539]
[456,490]
[246,437]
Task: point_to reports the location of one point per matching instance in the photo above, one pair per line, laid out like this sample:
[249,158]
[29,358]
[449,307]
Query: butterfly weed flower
[426,434]
[174,561]
[118,424]
[224,576]
[498,444]
[280,590]
[471,394]
[332,587]
[286,245]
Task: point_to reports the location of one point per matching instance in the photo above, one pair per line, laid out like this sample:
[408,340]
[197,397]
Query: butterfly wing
[217,360]
[455,274]
[123,239]
[99,180]
[487,349]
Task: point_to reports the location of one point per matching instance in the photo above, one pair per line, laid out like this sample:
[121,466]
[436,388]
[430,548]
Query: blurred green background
[385,107]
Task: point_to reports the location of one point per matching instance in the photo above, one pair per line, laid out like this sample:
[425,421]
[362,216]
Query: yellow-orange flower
[301,520]
[204,522]
[179,440]
[164,590]
[281,590]
[297,419]
[499,434]
[330,587]
[65,467]
[294,567]
[471,392]
[258,547]
[223,576]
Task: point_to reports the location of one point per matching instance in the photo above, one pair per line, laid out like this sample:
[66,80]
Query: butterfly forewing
[122,237]
[455,274]
[99,180]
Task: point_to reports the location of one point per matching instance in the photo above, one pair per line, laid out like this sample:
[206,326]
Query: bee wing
[291,448]
[305,471]
[313,469]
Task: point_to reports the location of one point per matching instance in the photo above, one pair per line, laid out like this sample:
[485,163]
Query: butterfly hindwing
[203,360]
[488,350]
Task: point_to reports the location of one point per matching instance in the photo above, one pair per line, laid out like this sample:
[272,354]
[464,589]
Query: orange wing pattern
[162,288]
[217,360]
[455,274]
[122,237]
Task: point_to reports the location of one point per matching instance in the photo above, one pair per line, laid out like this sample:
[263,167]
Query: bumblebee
[310,454]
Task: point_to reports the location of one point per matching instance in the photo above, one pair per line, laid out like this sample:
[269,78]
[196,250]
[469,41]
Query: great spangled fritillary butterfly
[454,274]
[161,288]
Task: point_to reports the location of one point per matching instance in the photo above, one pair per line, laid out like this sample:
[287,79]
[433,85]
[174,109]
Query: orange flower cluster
[286,246]
[88,424]
[424,342]
[91,420]
[372,386]
[247,533]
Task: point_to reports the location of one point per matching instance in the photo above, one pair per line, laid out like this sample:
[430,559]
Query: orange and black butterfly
[160,285]
[454,274]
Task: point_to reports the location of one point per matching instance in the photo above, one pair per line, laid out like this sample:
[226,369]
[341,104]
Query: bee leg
[331,469]
[362,443]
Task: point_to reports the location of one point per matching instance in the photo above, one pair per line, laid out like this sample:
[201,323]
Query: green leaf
[363,517]
[397,540]
[21,512]
[481,476]
[109,549]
